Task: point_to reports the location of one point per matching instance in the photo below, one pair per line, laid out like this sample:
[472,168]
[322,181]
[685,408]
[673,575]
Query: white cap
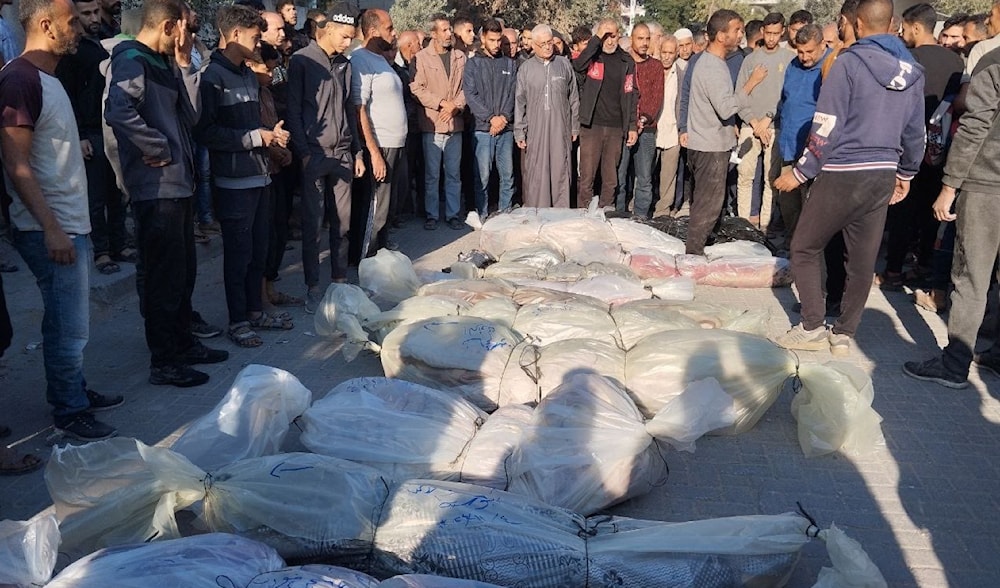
[683,34]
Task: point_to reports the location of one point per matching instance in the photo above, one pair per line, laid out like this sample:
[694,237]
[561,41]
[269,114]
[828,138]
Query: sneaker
[85,427]
[431,224]
[455,224]
[840,344]
[933,370]
[202,329]
[181,376]
[198,353]
[933,300]
[211,228]
[988,361]
[797,337]
[312,298]
[99,402]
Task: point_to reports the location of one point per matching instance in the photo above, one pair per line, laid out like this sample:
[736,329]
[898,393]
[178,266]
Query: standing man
[9,48]
[408,46]
[490,80]
[546,122]
[290,16]
[796,21]
[865,146]
[325,139]
[912,220]
[230,127]
[465,35]
[711,125]
[685,44]
[758,132]
[149,109]
[950,36]
[608,111]
[377,96]
[799,93]
[111,11]
[668,146]
[81,75]
[971,178]
[45,176]
[641,155]
[437,85]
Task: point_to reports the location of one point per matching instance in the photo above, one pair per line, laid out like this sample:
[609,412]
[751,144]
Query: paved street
[924,506]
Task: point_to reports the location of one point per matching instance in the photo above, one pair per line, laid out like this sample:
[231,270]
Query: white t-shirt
[377,86]
[33,99]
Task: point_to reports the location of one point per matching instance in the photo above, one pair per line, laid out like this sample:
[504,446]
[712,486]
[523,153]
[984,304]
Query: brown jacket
[431,85]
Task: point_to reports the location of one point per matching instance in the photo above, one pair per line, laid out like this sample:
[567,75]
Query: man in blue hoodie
[865,146]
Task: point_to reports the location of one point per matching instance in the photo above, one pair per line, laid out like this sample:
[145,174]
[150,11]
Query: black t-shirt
[608,112]
[942,74]
[446,60]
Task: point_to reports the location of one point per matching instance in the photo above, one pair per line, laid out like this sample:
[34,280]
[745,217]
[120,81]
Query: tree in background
[947,8]
[414,14]
[824,11]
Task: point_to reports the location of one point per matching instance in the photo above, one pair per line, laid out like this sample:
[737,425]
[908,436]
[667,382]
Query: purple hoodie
[870,113]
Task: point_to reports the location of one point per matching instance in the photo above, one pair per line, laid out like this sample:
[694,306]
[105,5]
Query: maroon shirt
[649,75]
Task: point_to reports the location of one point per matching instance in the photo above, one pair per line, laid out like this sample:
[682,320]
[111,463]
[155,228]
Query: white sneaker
[798,338]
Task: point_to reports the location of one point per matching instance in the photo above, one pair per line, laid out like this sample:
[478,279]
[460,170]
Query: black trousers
[281,211]
[710,170]
[107,205]
[165,275]
[854,204]
[245,217]
[6,329]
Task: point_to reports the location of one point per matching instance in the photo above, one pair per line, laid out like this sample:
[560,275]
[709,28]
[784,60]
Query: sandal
[244,336]
[272,322]
[128,255]
[279,298]
[105,265]
[12,464]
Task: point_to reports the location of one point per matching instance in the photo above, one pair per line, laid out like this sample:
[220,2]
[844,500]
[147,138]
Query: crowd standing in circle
[821,135]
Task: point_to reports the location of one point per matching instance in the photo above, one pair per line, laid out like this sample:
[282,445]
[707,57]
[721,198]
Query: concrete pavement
[924,506]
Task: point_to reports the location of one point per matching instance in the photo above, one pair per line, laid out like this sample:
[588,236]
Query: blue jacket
[870,113]
[489,84]
[797,106]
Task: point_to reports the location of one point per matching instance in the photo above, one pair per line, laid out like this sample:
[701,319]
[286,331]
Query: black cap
[343,13]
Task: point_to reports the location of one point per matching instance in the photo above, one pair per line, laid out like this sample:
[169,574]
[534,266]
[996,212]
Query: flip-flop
[128,255]
[272,322]
[26,464]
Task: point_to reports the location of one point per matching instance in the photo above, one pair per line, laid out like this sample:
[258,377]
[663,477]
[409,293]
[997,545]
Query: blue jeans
[501,150]
[65,291]
[642,155]
[203,186]
[448,146]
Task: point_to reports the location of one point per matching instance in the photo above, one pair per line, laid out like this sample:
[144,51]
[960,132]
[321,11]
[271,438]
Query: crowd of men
[821,135]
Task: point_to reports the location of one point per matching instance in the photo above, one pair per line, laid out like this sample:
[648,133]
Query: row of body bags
[260,513]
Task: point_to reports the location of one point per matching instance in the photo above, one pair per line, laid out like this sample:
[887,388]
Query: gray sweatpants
[977,243]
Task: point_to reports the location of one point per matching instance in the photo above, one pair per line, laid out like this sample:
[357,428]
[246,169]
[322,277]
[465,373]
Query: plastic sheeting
[251,420]
[28,550]
[121,491]
[403,429]
[587,448]
[852,568]
[215,559]
[342,310]
[535,370]
[557,321]
[313,576]
[583,240]
[462,355]
[488,459]
[538,256]
[834,410]
[471,291]
[415,309]
[389,276]
[750,369]
[632,235]
[677,289]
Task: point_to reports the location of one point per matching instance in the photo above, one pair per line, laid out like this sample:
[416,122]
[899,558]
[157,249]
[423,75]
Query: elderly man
[685,44]
[275,33]
[668,148]
[608,111]
[546,122]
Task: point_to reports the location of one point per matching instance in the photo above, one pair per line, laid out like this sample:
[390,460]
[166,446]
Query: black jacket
[591,79]
[80,73]
[229,125]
